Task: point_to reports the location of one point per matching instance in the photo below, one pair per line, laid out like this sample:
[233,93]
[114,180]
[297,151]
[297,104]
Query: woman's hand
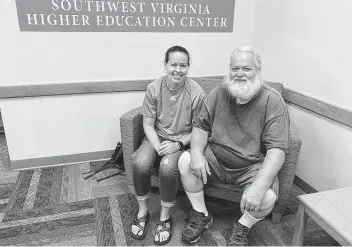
[168,147]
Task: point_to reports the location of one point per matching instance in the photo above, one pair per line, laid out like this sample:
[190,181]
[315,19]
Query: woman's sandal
[136,223]
[163,227]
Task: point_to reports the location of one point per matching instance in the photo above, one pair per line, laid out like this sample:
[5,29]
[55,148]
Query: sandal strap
[162,226]
[144,219]
[140,228]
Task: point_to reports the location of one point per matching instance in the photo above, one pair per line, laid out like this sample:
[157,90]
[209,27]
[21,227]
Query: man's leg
[192,184]
[265,209]
[242,228]
[200,218]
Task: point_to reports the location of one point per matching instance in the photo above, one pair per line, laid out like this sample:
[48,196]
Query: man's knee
[269,200]
[184,163]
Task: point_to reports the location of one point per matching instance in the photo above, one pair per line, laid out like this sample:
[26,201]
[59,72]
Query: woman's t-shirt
[173,110]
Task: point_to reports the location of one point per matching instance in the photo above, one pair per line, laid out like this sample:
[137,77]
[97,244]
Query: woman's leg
[168,177]
[143,161]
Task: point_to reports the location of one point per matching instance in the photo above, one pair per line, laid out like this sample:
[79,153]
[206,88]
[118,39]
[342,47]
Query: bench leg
[301,223]
[276,217]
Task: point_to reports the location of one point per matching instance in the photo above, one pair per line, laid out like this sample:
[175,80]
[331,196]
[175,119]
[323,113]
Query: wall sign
[126,15]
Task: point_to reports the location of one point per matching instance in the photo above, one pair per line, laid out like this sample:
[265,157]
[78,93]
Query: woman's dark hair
[175,49]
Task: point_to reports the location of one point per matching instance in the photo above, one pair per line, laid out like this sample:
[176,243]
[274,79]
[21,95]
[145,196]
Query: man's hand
[168,147]
[200,166]
[252,199]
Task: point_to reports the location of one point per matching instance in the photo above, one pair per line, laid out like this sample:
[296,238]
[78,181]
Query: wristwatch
[180,144]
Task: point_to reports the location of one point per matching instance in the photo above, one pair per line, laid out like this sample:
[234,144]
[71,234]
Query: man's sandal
[163,226]
[137,222]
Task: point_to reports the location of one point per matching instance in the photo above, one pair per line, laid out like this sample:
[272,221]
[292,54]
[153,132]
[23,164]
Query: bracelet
[180,144]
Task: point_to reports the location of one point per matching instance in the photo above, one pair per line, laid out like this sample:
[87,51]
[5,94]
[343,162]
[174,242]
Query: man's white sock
[197,201]
[248,220]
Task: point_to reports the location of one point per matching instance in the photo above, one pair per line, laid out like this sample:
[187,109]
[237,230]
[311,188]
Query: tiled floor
[55,205]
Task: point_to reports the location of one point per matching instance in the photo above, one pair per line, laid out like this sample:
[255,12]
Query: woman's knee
[142,161]
[168,166]
[184,163]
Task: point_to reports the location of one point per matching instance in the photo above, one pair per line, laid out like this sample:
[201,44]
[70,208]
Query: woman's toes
[163,236]
[166,235]
[134,229]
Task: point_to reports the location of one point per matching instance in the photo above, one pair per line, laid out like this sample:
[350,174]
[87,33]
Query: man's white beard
[243,91]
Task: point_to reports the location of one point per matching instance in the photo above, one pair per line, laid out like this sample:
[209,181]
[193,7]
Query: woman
[169,106]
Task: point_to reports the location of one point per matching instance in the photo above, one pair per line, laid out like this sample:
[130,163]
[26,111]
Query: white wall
[54,126]
[8,43]
[306,45]
[325,158]
[65,57]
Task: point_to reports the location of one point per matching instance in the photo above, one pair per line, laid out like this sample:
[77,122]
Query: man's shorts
[240,177]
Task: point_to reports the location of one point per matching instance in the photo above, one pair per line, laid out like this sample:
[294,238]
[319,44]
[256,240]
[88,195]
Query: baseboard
[304,186]
[60,160]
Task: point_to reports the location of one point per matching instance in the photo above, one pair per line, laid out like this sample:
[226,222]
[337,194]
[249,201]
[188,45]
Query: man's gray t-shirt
[173,110]
[244,132]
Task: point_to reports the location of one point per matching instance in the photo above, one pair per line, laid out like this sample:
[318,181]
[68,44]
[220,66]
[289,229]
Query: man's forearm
[186,139]
[199,140]
[152,136]
[271,166]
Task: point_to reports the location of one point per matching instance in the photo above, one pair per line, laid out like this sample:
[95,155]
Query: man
[240,137]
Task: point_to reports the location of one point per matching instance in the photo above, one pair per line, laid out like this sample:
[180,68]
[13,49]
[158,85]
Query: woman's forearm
[152,136]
